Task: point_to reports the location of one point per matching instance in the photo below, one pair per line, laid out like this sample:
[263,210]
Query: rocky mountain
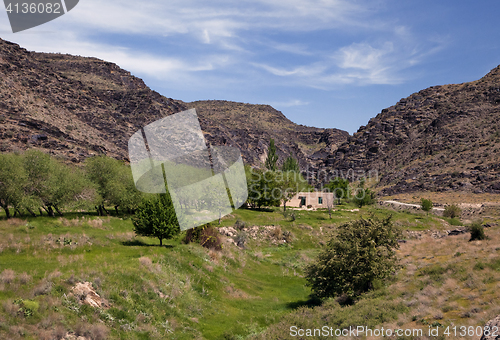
[75,107]
[439,139]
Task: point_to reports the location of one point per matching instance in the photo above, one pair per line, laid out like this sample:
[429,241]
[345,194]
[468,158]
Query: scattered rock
[87,295]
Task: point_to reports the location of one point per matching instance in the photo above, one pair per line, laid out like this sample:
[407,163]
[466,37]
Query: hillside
[444,138]
[251,126]
[139,290]
[75,107]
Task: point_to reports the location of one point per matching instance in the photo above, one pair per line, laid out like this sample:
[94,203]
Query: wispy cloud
[234,41]
[289,103]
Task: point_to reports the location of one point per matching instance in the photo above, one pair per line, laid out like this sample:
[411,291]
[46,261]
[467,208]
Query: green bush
[363,196]
[426,204]
[362,252]
[451,211]
[477,232]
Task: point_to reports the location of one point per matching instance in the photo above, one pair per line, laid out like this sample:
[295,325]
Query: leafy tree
[114,183]
[363,196]
[12,182]
[263,188]
[362,251]
[339,187]
[291,164]
[50,184]
[288,186]
[451,211]
[426,204]
[155,217]
[272,157]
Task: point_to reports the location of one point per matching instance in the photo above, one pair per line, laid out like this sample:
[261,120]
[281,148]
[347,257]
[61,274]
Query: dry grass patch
[8,276]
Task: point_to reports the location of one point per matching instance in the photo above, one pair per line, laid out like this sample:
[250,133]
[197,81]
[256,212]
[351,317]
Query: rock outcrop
[439,139]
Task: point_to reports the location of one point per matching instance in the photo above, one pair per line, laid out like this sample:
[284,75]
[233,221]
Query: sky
[323,63]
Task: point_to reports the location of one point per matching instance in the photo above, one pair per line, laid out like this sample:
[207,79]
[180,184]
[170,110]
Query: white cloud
[289,103]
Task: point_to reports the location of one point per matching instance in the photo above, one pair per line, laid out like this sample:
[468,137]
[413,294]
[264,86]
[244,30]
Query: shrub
[363,196]
[8,276]
[206,235]
[477,232]
[210,238]
[241,239]
[451,211]
[426,204]
[239,224]
[361,253]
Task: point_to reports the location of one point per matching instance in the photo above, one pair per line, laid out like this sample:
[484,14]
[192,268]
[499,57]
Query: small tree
[290,164]
[362,251]
[329,204]
[451,211]
[263,188]
[363,196]
[156,217]
[339,187]
[272,157]
[288,186]
[426,204]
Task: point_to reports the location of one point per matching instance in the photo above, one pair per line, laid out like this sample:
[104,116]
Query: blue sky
[324,63]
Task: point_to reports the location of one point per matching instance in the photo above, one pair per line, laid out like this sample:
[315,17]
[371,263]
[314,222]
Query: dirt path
[410,205]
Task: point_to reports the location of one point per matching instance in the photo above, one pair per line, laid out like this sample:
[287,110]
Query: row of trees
[34,182]
[273,187]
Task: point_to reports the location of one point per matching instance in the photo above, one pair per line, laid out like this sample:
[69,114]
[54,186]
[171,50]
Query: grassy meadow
[185,291]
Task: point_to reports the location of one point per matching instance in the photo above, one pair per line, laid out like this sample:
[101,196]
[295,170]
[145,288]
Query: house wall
[312,198]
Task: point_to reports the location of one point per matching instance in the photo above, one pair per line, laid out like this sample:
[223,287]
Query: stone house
[316,199]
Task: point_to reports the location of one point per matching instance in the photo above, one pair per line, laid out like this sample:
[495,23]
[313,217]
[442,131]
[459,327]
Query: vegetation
[114,183]
[477,231]
[291,164]
[186,291]
[363,196]
[206,235]
[13,180]
[339,187]
[426,204]
[272,157]
[361,252]
[288,185]
[263,188]
[156,217]
[451,211]
[35,182]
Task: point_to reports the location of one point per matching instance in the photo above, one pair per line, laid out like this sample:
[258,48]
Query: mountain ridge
[75,107]
[441,138]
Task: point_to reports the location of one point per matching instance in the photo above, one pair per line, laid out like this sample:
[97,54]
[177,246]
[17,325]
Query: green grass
[182,291]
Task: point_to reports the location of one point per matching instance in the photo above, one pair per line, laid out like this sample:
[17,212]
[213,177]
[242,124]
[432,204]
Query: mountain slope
[75,107]
[439,139]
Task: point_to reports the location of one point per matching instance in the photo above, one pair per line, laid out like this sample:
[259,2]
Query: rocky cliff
[75,107]
[439,139]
